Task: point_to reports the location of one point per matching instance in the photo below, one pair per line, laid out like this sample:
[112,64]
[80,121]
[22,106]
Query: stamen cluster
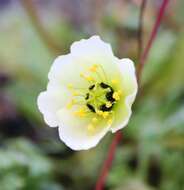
[98,99]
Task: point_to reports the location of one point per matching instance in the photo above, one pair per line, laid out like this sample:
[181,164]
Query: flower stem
[151,39]
[46,38]
[140,29]
[118,136]
[108,162]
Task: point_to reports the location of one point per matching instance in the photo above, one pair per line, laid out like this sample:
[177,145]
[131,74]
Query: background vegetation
[151,154]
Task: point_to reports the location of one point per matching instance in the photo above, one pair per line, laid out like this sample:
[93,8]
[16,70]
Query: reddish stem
[151,39]
[111,152]
[108,162]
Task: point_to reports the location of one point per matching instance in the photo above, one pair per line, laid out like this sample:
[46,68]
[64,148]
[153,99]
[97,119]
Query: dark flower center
[100,97]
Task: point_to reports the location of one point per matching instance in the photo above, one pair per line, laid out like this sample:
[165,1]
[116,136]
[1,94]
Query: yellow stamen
[108,104]
[91,128]
[90,78]
[94,120]
[114,81]
[116,95]
[93,68]
[82,75]
[105,114]
[109,122]
[99,112]
[120,92]
[80,113]
[74,93]
[70,104]
[70,85]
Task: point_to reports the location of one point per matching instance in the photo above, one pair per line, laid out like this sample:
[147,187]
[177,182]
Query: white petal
[66,70]
[73,131]
[84,53]
[49,102]
[93,46]
[62,70]
[129,90]
[95,51]
[129,80]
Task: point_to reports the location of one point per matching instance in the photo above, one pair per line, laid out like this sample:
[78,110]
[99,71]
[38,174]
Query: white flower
[90,92]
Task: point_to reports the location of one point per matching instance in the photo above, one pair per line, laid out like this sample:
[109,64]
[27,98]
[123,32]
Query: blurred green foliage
[151,155]
[23,166]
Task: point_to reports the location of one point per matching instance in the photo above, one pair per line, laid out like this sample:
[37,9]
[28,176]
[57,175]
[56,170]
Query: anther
[91,108]
[116,95]
[99,112]
[109,96]
[103,85]
[94,120]
[104,108]
[93,68]
[91,128]
[120,92]
[70,86]
[105,114]
[109,122]
[82,75]
[91,87]
[80,113]
[108,104]
[89,78]
[87,96]
[70,104]
[75,93]
[114,81]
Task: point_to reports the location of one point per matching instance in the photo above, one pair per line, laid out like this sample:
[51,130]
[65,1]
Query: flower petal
[129,81]
[49,102]
[93,46]
[129,90]
[74,133]
[65,70]
[95,51]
